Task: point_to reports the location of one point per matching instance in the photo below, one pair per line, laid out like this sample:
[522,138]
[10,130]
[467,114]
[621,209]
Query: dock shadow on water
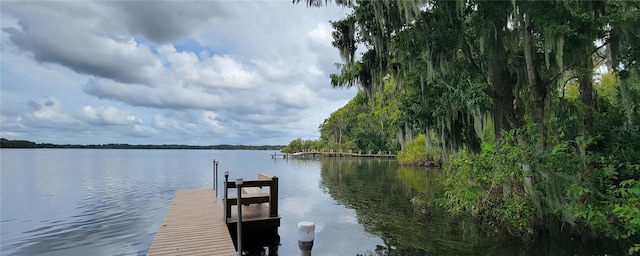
[396,204]
[257,243]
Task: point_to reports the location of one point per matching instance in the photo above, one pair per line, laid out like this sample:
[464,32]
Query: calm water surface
[111,202]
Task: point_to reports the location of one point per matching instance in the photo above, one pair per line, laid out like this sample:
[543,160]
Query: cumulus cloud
[140,130]
[49,114]
[276,70]
[209,118]
[166,21]
[298,96]
[247,71]
[215,70]
[71,35]
[98,38]
[173,96]
[314,70]
[107,116]
[5,134]
[321,35]
[11,126]
[159,122]
[34,105]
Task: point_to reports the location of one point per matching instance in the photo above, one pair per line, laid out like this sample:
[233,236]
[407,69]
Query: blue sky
[149,72]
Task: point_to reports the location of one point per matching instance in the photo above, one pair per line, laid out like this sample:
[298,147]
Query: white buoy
[306,235]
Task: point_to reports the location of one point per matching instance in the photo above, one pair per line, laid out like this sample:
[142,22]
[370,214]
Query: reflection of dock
[282,155]
[333,153]
[197,225]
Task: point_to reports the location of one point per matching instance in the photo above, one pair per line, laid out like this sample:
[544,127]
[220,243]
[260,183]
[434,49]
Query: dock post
[227,206]
[239,227]
[215,177]
[213,173]
[273,200]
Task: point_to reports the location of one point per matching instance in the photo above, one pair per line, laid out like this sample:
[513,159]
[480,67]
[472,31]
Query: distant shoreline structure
[4,143]
[332,153]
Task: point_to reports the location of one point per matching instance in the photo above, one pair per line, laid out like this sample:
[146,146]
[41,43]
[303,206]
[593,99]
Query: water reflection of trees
[381,192]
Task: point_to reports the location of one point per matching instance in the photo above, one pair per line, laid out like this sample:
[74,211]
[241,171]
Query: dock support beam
[226,196]
[239,227]
[273,197]
[215,177]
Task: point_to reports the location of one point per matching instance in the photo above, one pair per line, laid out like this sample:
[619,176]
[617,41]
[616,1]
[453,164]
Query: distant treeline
[4,143]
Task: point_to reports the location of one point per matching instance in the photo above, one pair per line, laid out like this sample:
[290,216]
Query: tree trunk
[500,80]
[538,95]
[501,83]
[586,88]
[538,91]
[427,140]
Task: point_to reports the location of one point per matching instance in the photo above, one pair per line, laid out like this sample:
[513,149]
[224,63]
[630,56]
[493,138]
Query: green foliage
[349,146]
[416,153]
[607,87]
[587,192]
[489,187]
[627,206]
[293,147]
[361,125]
[4,143]
[299,145]
[561,146]
[572,90]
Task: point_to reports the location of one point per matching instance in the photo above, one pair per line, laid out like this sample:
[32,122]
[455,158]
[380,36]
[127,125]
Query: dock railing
[250,196]
[215,177]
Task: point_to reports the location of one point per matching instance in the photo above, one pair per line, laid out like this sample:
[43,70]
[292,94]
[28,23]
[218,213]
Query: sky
[174,72]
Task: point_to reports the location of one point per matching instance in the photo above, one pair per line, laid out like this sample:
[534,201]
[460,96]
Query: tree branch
[575,62]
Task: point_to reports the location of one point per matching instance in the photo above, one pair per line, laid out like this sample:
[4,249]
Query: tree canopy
[549,90]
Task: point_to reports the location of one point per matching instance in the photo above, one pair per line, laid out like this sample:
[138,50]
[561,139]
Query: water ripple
[99,212]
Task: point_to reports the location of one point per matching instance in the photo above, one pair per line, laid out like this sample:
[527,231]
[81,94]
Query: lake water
[111,202]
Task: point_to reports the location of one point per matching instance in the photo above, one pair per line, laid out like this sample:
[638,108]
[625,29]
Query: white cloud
[72,35]
[251,72]
[275,70]
[167,95]
[159,121]
[132,118]
[6,134]
[107,116]
[215,71]
[209,118]
[314,70]
[298,96]
[48,114]
[143,130]
[321,35]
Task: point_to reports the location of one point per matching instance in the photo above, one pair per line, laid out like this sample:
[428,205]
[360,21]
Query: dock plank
[193,226]
[252,212]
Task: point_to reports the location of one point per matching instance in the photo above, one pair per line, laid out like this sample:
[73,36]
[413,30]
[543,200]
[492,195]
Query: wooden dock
[193,226]
[332,153]
[197,225]
[259,208]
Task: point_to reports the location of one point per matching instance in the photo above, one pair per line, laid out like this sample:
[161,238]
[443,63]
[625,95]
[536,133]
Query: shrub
[416,153]
[594,195]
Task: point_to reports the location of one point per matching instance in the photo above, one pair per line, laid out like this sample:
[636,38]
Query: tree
[461,67]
